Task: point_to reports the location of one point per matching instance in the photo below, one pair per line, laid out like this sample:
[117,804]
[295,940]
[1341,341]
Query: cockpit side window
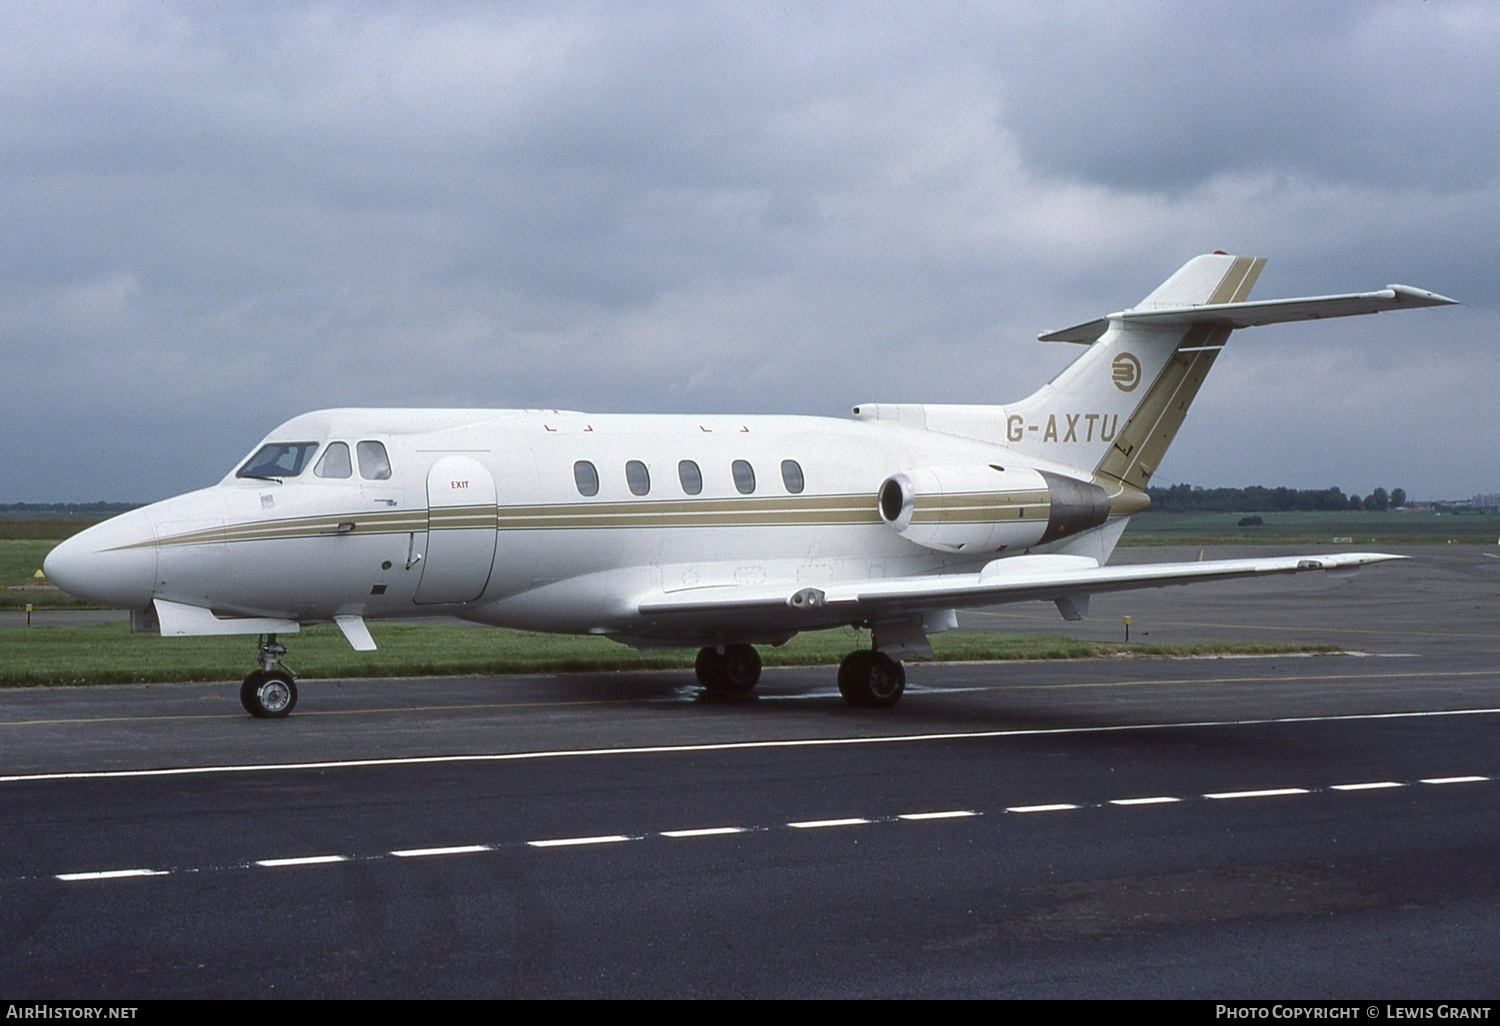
[374,464]
[335,461]
[278,460]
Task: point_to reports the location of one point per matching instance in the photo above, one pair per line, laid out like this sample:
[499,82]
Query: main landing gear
[730,670]
[270,692]
[867,678]
[871,678]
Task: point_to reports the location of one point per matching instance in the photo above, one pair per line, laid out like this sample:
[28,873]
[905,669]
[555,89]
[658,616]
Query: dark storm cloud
[1166,97]
[218,217]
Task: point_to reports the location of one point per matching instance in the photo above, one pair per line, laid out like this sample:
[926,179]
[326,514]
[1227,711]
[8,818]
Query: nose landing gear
[270,692]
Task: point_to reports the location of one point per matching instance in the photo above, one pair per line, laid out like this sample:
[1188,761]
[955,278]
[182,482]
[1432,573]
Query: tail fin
[1113,412]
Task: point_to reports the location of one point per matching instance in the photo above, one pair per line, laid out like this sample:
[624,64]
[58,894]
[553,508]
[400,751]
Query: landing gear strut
[733,671]
[871,678]
[270,692]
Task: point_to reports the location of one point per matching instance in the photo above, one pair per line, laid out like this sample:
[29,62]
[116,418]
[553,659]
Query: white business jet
[713,532]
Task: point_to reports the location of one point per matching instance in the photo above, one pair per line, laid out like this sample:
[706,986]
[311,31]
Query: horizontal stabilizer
[1254,314]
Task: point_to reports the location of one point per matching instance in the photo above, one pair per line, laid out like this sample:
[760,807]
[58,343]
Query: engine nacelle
[987,509]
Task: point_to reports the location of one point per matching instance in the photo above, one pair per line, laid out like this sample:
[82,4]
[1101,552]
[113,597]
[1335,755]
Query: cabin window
[335,462]
[637,477]
[374,464]
[278,459]
[744,477]
[586,478]
[690,476]
[791,476]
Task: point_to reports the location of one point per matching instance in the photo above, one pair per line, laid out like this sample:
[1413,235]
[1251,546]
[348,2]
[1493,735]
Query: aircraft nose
[111,564]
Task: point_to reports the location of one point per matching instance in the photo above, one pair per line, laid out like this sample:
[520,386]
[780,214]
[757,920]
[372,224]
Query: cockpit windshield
[278,460]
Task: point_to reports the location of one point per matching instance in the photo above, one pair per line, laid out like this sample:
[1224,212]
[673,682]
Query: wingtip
[1409,293]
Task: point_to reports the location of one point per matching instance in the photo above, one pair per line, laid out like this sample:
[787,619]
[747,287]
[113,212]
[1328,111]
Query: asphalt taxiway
[1324,826]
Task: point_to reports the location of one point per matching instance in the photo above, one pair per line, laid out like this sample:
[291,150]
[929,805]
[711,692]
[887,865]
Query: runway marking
[571,842]
[916,688]
[811,824]
[1373,785]
[1054,807]
[1271,792]
[741,746]
[110,874]
[1310,678]
[306,860]
[462,849]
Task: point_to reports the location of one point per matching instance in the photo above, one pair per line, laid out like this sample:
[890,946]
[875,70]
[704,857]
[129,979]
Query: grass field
[24,543]
[110,654]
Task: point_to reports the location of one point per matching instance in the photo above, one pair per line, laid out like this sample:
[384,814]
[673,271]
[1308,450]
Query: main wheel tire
[735,671]
[886,682]
[741,668]
[709,667]
[853,669]
[269,694]
[871,679]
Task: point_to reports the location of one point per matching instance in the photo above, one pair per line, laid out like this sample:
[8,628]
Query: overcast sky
[214,217]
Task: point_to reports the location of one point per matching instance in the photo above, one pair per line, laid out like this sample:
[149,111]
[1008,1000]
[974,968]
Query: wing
[1066,580]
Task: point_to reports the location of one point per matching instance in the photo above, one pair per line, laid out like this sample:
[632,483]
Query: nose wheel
[270,692]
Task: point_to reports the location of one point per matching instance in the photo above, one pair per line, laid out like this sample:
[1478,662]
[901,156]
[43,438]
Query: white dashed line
[307,860]
[109,874]
[1055,807]
[1374,785]
[569,842]
[1273,792]
[811,824]
[464,849]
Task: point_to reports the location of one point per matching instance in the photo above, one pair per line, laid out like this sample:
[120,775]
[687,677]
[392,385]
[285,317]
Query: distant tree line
[1183,498]
[70,509]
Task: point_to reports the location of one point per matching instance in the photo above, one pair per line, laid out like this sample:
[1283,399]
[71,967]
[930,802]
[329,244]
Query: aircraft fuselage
[486,518]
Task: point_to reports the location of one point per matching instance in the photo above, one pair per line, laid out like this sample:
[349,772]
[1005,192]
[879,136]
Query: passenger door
[460,531]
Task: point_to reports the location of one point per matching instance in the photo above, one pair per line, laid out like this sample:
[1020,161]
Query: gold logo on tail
[1127,372]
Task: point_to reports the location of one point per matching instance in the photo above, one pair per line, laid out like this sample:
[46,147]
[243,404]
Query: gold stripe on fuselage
[805,511]
[982,507]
